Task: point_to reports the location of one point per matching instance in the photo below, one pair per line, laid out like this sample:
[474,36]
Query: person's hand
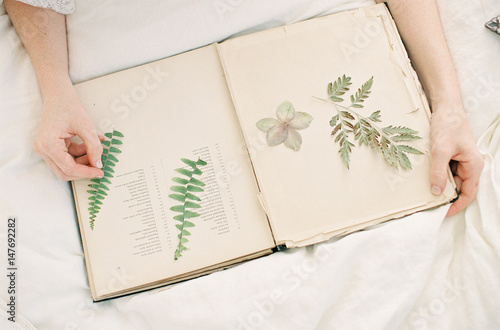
[63,118]
[63,114]
[453,143]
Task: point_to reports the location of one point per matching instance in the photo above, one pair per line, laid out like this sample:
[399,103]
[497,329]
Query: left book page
[180,198]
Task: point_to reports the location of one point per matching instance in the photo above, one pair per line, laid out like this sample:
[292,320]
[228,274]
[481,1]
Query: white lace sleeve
[61,6]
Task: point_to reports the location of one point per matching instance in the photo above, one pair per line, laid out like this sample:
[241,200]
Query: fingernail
[99,177]
[98,164]
[436,190]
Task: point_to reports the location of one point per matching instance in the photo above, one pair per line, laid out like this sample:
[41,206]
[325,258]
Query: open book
[285,137]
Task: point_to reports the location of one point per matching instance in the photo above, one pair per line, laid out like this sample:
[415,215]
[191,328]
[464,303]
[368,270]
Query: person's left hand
[453,144]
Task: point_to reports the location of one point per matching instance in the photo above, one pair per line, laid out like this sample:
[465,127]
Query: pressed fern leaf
[345,150]
[361,132]
[409,149]
[390,130]
[362,94]
[97,192]
[401,133]
[365,129]
[341,131]
[375,117]
[184,194]
[393,153]
[339,88]
[333,121]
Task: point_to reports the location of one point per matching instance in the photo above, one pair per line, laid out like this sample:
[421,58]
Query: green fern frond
[404,137]
[365,129]
[345,150]
[403,160]
[375,117]
[391,130]
[184,193]
[339,88]
[362,94]
[333,121]
[409,149]
[341,130]
[98,186]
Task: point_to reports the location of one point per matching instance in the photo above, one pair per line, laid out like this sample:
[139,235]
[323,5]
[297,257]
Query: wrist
[55,86]
[446,100]
[448,107]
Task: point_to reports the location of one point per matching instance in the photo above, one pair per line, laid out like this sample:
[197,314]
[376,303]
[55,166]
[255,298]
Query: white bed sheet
[421,272]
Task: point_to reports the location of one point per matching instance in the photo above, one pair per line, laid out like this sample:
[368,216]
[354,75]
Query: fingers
[83,160]
[57,156]
[439,170]
[463,201]
[453,166]
[93,146]
[466,167]
[77,149]
[63,118]
[70,170]
[467,179]
[453,144]
[70,161]
[458,182]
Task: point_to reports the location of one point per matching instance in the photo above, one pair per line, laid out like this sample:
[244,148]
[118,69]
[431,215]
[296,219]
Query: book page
[176,120]
[351,65]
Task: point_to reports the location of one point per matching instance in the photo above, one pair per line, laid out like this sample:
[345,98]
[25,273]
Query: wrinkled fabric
[419,272]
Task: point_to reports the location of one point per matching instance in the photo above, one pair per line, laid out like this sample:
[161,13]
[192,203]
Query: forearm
[43,33]
[451,138]
[420,27]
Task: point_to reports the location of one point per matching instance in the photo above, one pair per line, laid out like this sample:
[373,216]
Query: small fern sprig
[99,186]
[365,129]
[338,88]
[362,94]
[188,185]
[342,129]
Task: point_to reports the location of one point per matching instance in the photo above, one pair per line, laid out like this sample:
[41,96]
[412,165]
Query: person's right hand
[64,117]
[43,33]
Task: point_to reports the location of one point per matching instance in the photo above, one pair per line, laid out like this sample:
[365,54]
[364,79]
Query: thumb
[439,172]
[92,144]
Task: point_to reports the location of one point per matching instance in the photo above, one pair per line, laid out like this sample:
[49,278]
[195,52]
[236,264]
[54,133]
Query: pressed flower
[284,129]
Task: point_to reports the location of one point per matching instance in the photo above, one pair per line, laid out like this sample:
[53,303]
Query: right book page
[336,124]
